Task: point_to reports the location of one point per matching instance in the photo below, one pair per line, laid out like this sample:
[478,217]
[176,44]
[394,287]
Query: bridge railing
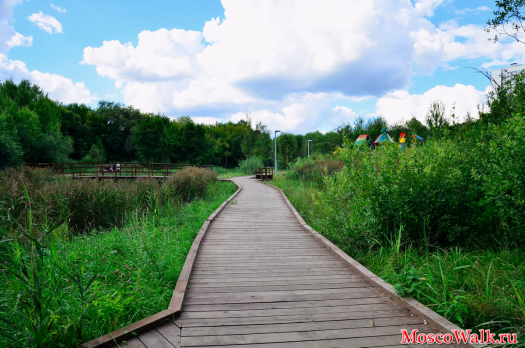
[114,169]
[264,173]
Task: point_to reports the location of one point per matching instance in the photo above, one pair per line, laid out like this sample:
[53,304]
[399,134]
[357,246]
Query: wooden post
[73,170]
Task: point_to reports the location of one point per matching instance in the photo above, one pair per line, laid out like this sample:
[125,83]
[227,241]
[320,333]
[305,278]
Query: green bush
[314,171]
[248,165]
[453,190]
[190,183]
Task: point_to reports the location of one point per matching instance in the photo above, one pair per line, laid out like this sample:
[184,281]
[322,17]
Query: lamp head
[277,131]
[309,140]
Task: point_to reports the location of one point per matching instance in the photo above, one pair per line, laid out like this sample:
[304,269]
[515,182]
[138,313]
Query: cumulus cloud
[46,22]
[58,87]
[20,40]
[401,106]
[159,56]
[286,61]
[471,10]
[8,36]
[59,9]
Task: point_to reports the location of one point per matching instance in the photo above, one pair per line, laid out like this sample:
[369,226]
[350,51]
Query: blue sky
[298,66]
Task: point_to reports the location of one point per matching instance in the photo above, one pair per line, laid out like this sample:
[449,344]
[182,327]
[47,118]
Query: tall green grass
[248,165]
[59,289]
[89,204]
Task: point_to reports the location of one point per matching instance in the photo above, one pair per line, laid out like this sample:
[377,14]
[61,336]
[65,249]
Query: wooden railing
[264,173]
[109,170]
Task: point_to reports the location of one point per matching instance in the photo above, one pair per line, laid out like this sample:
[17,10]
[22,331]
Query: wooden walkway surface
[261,280]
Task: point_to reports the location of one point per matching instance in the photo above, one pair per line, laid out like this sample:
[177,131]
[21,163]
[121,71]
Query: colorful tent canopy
[417,138]
[383,138]
[364,139]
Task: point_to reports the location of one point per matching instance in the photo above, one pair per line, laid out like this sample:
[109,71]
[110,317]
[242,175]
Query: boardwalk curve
[260,279]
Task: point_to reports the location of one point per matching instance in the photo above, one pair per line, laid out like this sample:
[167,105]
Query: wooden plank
[302,318]
[298,327]
[171,333]
[277,305]
[132,343]
[289,311]
[153,339]
[267,288]
[359,342]
[275,296]
[193,341]
[129,331]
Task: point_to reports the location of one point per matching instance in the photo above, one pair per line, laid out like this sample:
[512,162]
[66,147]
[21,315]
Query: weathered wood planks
[259,279]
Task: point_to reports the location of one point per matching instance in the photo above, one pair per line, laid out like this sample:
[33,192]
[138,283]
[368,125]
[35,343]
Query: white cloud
[159,56]
[402,106]
[206,120]
[8,35]
[58,87]
[46,22]
[20,40]
[286,61]
[471,10]
[450,41]
[59,9]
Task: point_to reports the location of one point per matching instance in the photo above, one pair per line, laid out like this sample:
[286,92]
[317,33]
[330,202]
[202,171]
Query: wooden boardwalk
[261,280]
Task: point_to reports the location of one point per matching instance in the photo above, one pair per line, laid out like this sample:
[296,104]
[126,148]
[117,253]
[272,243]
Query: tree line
[37,129]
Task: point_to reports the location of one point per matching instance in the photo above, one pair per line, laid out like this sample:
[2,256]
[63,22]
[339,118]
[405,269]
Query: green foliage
[248,165]
[96,154]
[190,183]
[10,151]
[314,169]
[56,292]
[507,20]
[436,115]
[88,203]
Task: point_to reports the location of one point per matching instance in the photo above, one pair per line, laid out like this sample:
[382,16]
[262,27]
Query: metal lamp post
[309,148]
[275,137]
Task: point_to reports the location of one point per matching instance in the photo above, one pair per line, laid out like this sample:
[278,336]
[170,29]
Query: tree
[508,20]
[436,115]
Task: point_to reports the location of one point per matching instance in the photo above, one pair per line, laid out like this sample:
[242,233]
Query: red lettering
[439,338]
[421,338]
[407,338]
[461,335]
[430,338]
[514,338]
[448,338]
[490,337]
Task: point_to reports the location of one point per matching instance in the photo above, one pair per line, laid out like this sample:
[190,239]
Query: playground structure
[384,138]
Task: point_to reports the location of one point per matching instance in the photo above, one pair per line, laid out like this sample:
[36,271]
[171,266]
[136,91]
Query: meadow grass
[479,286]
[59,289]
[225,173]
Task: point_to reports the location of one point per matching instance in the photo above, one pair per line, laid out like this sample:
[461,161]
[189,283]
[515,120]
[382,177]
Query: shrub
[190,183]
[248,165]
[450,191]
[313,171]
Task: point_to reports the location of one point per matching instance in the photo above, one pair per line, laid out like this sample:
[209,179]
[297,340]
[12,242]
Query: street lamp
[277,131]
[309,148]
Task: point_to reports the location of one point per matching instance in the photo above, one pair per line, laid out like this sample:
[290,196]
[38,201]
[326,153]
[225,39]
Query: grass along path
[134,271]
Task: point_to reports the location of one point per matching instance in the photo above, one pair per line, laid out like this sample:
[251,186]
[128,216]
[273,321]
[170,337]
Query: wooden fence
[113,170]
[264,173]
